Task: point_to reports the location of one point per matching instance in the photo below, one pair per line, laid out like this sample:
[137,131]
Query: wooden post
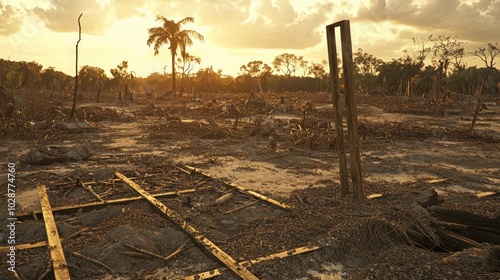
[55,247]
[350,100]
[339,131]
[352,116]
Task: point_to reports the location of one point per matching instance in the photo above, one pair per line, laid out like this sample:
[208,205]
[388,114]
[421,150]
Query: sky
[236,31]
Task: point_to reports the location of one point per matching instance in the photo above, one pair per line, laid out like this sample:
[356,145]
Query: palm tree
[170,33]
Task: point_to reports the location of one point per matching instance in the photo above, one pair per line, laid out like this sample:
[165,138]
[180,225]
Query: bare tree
[76,66]
[305,66]
[421,42]
[257,69]
[185,64]
[447,47]
[487,55]
[287,63]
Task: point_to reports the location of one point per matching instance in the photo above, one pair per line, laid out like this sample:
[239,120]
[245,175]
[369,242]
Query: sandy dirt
[428,222]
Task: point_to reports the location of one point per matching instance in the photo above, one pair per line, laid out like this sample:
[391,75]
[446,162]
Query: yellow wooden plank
[438,180]
[55,247]
[216,272]
[197,236]
[25,246]
[375,195]
[112,201]
[485,194]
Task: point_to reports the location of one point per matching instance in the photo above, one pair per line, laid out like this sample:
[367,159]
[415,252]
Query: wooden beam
[25,246]
[107,202]
[281,255]
[352,117]
[197,237]
[339,131]
[55,247]
[241,189]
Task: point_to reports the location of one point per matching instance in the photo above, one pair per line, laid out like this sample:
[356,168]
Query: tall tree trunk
[73,108]
[98,93]
[181,88]
[172,50]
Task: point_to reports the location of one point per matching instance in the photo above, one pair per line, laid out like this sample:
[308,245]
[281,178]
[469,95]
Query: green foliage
[397,72]
[56,80]
[468,80]
[17,74]
[92,78]
[365,69]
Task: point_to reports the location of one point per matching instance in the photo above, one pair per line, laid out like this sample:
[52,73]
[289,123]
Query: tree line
[408,74]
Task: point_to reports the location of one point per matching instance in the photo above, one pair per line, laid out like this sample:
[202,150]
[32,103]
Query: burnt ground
[429,219]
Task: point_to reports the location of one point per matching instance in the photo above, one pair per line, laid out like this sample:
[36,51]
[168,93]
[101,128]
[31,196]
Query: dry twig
[96,262]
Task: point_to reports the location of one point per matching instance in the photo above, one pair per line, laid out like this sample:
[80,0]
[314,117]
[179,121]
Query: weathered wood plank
[241,189]
[352,115]
[195,235]
[281,255]
[106,202]
[55,247]
[25,246]
[339,131]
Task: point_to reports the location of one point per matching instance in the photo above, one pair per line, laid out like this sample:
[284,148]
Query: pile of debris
[53,154]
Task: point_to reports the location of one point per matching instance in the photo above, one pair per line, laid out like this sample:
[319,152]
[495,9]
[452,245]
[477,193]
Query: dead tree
[76,66]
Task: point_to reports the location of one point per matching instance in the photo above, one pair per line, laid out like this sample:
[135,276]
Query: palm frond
[185,20]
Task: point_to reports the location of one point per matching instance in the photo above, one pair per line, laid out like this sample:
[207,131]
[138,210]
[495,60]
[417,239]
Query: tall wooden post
[350,103]
[339,131]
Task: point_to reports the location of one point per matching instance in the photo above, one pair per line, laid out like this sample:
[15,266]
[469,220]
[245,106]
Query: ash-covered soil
[434,213]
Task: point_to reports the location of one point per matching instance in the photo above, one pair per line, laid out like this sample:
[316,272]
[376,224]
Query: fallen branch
[145,252]
[46,272]
[96,262]
[243,206]
[75,234]
[300,199]
[177,251]
[461,238]
[135,255]
[200,206]
[223,198]
[16,275]
[89,188]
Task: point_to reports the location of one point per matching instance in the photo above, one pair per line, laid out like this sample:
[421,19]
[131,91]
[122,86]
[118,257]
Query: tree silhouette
[121,75]
[186,64]
[170,32]
[287,63]
[487,55]
[257,69]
